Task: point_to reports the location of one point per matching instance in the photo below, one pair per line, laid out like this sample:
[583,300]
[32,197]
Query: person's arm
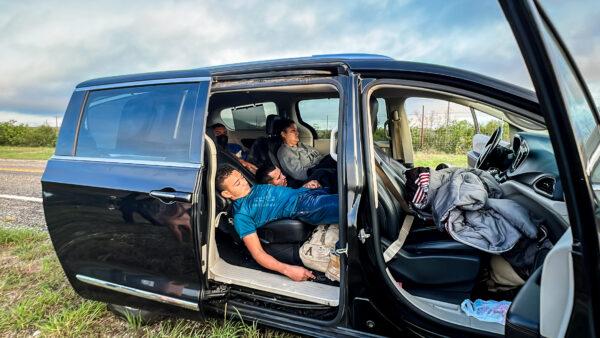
[251,167]
[314,154]
[291,164]
[294,272]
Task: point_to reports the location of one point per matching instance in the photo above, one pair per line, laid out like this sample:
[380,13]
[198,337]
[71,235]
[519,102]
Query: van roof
[377,65]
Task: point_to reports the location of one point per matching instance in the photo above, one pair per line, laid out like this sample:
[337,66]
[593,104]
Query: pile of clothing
[468,205]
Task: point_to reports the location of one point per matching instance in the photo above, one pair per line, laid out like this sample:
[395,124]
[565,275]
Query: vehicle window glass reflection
[580,113]
[141,123]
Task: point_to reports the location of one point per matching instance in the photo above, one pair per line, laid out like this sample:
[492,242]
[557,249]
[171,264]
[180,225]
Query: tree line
[13,134]
[454,138]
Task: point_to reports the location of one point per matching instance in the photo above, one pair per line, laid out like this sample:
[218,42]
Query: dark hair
[222,173]
[262,173]
[217,125]
[281,125]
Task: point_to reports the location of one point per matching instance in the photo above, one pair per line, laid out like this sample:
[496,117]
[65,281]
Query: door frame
[412,315]
[346,86]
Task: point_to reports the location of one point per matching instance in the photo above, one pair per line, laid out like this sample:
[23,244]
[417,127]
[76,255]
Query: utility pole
[447,124]
[448,115]
[422,124]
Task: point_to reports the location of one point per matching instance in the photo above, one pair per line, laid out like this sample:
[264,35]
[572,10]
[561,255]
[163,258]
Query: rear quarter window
[320,114]
[248,117]
[140,123]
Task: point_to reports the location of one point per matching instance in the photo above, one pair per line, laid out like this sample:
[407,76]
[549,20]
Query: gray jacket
[467,204]
[296,161]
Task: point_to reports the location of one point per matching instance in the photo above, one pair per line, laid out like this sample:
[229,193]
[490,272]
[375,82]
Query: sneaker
[333,268]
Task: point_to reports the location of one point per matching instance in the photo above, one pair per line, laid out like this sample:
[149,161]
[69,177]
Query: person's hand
[298,273]
[312,184]
[251,167]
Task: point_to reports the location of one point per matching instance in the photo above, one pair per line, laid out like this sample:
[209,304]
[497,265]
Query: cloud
[46,52]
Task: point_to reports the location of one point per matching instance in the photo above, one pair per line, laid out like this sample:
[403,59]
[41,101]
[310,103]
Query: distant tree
[13,134]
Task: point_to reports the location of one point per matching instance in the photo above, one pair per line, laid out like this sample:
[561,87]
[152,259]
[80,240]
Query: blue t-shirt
[264,203]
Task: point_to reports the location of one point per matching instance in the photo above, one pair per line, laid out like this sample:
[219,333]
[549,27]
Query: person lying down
[256,206]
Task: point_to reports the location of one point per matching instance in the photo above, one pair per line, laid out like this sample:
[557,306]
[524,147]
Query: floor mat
[237,254]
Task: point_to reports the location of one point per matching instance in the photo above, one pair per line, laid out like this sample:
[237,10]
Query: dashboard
[533,163]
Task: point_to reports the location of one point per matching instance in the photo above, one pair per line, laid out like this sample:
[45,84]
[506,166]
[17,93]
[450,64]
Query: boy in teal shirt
[256,206]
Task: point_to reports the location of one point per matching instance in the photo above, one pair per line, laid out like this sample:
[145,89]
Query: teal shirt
[265,203]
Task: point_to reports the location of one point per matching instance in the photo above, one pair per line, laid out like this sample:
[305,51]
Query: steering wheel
[492,143]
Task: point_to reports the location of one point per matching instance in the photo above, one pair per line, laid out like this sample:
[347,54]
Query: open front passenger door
[570,301]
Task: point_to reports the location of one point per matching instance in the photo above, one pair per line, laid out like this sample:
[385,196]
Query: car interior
[434,272]
[249,116]
[431,271]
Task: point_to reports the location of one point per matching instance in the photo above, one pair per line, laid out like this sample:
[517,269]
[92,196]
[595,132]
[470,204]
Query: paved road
[20,193]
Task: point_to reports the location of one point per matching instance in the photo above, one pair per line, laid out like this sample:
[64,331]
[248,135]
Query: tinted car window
[142,123]
[248,117]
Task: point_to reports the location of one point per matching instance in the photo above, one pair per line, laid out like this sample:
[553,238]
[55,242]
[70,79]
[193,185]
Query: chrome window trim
[138,293]
[593,160]
[127,161]
[144,83]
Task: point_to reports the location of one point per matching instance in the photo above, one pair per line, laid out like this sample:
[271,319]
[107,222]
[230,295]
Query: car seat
[264,149]
[430,264]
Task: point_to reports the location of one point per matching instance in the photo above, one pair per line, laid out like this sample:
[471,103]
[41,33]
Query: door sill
[274,283]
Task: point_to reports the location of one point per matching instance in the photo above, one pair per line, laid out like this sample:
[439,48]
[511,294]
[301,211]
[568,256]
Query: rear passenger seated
[261,204]
[222,140]
[304,162]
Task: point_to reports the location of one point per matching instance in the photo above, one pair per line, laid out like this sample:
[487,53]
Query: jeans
[317,207]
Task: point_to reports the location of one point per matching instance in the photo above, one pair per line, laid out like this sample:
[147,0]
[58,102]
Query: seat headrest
[374,109]
[222,203]
[270,124]
[132,133]
[374,105]
[210,132]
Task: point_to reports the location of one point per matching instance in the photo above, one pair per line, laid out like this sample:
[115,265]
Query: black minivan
[134,217]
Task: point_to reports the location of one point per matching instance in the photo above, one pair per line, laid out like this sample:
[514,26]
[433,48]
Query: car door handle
[169,197]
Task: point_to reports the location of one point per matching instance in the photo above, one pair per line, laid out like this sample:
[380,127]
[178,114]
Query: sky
[48,47]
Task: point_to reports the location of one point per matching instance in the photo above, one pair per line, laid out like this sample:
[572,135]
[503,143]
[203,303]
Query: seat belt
[393,249]
[391,187]
[218,218]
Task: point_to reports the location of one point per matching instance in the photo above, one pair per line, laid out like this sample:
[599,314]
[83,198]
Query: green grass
[26,153]
[36,298]
[432,159]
